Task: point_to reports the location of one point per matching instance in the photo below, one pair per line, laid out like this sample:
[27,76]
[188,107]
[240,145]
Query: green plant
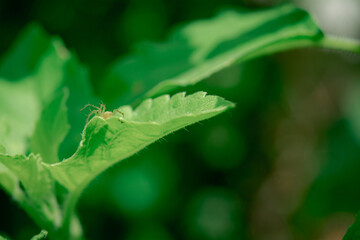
[49,121]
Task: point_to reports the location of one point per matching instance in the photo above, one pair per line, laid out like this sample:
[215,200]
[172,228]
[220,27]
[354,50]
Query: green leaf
[28,97]
[37,196]
[108,141]
[33,115]
[19,109]
[197,50]
[51,129]
[353,233]
[32,174]
[52,69]
[9,182]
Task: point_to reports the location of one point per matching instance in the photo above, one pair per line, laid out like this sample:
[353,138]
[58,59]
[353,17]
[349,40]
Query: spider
[100,111]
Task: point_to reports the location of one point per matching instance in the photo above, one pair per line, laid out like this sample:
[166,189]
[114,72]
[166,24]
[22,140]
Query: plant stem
[327,41]
[71,226]
[337,43]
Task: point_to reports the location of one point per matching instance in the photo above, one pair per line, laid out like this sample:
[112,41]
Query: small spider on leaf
[101,111]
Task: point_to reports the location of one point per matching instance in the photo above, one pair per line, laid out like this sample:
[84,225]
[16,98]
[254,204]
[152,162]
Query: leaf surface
[197,50]
[107,141]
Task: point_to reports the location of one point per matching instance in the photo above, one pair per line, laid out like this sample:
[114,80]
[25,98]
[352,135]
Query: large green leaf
[107,141]
[197,50]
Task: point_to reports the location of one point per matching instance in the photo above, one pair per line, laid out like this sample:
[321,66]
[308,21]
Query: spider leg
[93,112]
[102,109]
[89,105]
[118,111]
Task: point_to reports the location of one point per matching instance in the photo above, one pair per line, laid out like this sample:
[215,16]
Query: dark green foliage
[242,175]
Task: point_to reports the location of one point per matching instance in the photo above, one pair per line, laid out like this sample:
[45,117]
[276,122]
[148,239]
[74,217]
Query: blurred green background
[284,164]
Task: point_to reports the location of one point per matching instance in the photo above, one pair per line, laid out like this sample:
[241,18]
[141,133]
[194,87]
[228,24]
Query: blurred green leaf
[51,70]
[28,96]
[353,233]
[196,51]
[18,114]
[51,129]
[107,141]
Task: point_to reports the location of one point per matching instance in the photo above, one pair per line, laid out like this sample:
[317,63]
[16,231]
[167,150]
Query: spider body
[108,114]
[100,111]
